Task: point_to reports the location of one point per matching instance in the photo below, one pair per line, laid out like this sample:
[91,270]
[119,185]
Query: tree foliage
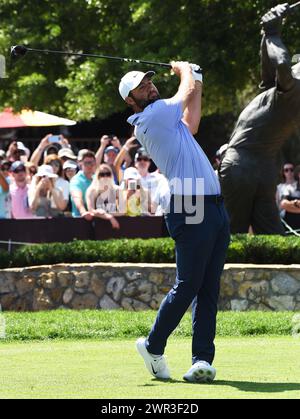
[222,36]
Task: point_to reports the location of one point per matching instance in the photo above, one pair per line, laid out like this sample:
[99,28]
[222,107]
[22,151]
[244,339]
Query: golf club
[18,51]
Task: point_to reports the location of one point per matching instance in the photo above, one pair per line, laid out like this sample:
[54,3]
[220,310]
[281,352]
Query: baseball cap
[131,173]
[111,148]
[141,153]
[81,153]
[17,165]
[70,164]
[22,147]
[131,80]
[46,170]
[67,152]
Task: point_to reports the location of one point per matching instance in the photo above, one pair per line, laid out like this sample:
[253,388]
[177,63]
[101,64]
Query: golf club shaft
[293,6]
[109,57]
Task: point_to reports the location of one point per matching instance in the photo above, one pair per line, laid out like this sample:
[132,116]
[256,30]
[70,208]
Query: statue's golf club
[18,51]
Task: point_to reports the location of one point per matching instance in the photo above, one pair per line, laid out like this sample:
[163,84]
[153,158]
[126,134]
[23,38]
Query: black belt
[214,199]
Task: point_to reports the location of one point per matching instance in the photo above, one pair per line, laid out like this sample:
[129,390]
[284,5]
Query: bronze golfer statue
[248,172]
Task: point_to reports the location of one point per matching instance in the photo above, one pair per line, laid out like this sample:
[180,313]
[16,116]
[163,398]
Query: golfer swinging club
[165,128]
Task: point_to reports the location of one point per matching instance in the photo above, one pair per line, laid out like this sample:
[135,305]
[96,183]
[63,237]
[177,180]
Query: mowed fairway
[247,367]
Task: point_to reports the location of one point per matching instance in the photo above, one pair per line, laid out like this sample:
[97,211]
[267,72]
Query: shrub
[242,249]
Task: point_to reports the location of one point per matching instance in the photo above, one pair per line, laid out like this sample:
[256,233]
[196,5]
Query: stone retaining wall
[142,287]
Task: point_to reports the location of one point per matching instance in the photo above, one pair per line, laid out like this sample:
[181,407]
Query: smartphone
[132,185]
[54,139]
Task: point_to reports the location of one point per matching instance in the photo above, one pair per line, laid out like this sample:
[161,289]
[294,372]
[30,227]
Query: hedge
[242,249]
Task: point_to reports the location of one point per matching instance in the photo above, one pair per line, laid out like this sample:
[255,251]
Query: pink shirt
[19,202]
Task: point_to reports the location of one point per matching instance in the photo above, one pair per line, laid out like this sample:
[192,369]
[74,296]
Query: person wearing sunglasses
[19,192]
[62,184]
[102,196]
[288,182]
[290,201]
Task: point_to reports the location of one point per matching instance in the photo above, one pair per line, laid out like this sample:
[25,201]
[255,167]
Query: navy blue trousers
[200,256]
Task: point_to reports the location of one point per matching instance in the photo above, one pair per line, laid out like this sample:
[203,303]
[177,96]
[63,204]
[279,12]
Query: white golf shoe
[156,365]
[200,372]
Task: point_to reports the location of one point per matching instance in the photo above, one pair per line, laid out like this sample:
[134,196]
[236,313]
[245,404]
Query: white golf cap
[70,164]
[131,80]
[131,173]
[46,170]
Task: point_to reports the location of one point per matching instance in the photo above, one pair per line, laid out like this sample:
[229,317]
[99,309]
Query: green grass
[247,367]
[98,324]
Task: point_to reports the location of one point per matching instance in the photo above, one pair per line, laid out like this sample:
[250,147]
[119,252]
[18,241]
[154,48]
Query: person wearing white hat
[165,128]
[43,191]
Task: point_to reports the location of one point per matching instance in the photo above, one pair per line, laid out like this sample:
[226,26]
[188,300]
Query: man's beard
[142,104]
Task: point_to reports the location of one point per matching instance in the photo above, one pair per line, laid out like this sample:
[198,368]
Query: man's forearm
[3,183]
[280,61]
[192,113]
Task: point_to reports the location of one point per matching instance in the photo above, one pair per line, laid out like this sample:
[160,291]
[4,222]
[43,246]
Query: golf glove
[196,72]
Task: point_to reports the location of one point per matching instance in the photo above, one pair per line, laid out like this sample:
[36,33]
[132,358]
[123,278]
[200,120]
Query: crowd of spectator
[54,181]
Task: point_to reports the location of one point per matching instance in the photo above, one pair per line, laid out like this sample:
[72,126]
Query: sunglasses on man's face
[288,169]
[20,171]
[89,163]
[142,159]
[104,174]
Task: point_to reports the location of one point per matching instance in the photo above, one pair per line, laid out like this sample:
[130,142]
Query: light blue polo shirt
[159,128]
[79,183]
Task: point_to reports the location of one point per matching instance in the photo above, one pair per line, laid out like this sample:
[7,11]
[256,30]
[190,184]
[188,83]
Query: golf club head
[17,52]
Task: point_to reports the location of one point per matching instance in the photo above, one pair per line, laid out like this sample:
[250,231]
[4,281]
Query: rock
[68,295]
[126,303]
[47,280]
[65,278]
[56,295]
[227,287]
[239,305]
[252,290]
[156,277]
[285,284]
[20,304]
[133,275]
[41,301]
[238,276]
[156,301]
[282,303]
[86,301]
[131,290]
[133,305]
[98,286]
[25,285]
[106,303]
[6,284]
[82,280]
[115,287]
[7,300]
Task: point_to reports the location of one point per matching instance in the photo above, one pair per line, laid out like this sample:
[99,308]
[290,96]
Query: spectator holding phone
[50,144]
[124,155]
[80,183]
[43,193]
[134,200]
[60,183]
[102,196]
